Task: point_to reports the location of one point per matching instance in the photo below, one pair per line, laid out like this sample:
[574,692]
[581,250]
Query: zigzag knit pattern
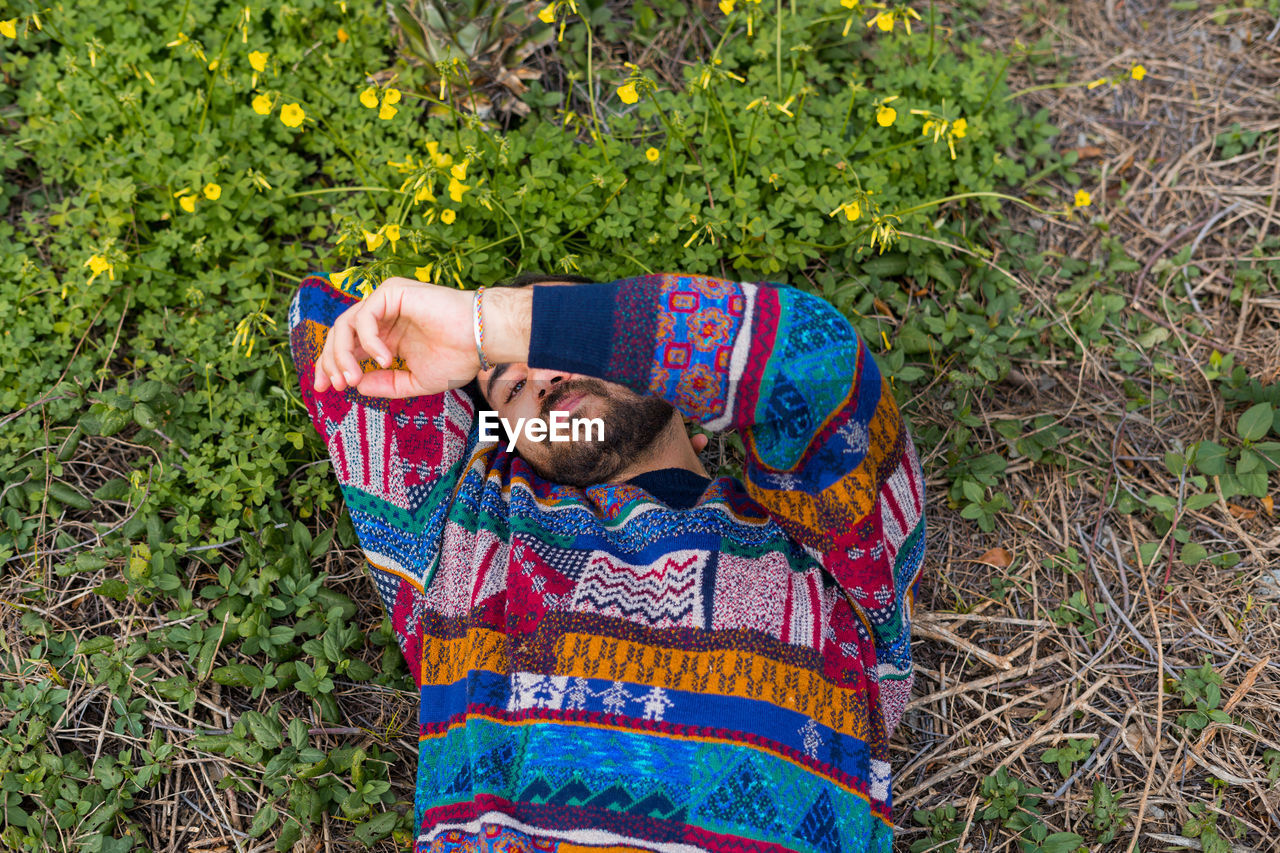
[600,671]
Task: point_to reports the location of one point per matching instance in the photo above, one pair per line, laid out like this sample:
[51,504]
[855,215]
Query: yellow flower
[437,159]
[456,189]
[97,264]
[459,171]
[1137,72]
[627,92]
[883,231]
[188,203]
[393,234]
[1096,83]
[851,4]
[423,273]
[424,194]
[258,60]
[726,6]
[292,115]
[373,241]
[387,112]
[261,105]
[447,217]
[1083,199]
[959,128]
[337,279]
[883,20]
[886,116]
[391,96]
[9,28]
[342,35]
[369,97]
[851,209]
[652,155]
[548,14]
[212,191]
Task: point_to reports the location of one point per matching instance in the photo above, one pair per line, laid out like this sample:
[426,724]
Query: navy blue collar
[678,488]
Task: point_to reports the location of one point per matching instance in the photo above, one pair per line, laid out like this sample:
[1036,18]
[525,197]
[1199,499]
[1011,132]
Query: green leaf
[113,588]
[298,732]
[234,675]
[1061,842]
[1193,554]
[1158,335]
[264,730]
[377,828]
[263,821]
[1249,462]
[1256,422]
[1211,458]
[289,835]
[886,265]
[1200,501]
[1147,552]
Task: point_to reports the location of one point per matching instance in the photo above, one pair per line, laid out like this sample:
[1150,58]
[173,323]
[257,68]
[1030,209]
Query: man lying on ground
[616,652]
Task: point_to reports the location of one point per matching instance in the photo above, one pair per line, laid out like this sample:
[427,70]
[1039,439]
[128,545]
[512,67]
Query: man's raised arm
[398,461]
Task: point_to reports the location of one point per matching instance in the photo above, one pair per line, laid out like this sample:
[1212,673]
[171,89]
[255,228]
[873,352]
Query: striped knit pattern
[599,671]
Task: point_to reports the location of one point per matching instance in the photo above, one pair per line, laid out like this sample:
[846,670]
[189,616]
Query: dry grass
[1000,682]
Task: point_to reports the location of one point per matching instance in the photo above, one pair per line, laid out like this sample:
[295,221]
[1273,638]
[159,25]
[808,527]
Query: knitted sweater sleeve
[398,463]
[828,455]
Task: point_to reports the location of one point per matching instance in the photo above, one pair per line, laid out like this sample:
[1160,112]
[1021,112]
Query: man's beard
[631,426]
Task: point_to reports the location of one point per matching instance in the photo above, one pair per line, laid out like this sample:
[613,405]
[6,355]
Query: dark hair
[472,388]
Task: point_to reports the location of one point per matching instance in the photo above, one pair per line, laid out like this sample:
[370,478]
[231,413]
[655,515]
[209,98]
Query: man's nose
[544,380]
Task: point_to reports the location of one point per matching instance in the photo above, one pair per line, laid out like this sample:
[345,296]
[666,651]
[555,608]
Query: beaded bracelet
[478,328]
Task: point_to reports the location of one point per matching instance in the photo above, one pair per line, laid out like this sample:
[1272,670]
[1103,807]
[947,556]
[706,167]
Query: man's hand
[427,326]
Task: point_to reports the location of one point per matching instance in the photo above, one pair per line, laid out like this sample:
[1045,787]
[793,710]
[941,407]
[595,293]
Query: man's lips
[570,402]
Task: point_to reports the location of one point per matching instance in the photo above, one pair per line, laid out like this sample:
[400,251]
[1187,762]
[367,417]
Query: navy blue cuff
[571,327]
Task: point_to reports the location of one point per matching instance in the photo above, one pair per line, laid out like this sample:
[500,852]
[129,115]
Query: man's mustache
[565,390]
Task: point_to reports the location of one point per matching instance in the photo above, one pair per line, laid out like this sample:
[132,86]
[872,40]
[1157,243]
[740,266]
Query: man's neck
[670,450]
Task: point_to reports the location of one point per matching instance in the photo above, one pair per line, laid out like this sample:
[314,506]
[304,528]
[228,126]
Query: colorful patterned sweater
[671,664]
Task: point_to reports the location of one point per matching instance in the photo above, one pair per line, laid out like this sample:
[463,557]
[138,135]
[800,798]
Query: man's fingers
[344,343]
[367,331]
[323,367]
[395,384]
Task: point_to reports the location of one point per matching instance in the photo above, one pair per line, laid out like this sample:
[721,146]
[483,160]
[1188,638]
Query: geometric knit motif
[599,670]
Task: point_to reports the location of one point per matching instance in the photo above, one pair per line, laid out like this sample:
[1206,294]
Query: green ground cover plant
[171,173]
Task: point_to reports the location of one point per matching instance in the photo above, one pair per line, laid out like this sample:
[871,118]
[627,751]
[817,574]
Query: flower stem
[777,45]
[933,203]
[853,93]
[213,76]
[342,190]
[931,30]
[728,135]
[996,82]
[591,91]
[514,224]
[1045,86]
